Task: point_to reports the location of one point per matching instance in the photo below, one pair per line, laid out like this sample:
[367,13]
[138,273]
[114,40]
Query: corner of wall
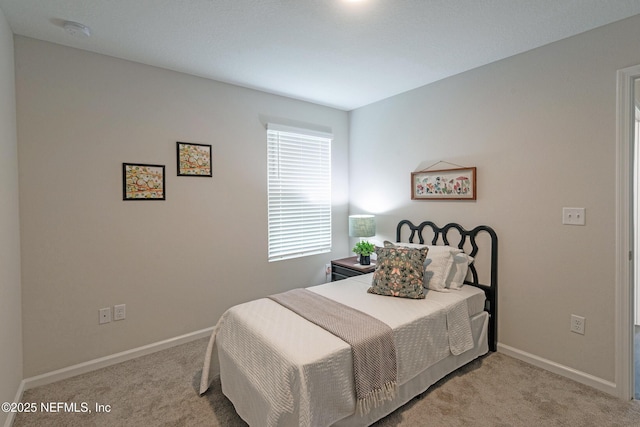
[11,363]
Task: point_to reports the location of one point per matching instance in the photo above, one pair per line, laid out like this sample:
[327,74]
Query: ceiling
[340,53]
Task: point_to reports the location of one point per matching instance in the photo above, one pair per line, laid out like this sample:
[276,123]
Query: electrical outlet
[577,324]
[105,315]
[327,268]
[119,311]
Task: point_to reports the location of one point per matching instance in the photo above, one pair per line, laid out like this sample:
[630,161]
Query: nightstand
[349,267]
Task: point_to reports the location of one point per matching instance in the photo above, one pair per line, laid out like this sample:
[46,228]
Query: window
[299,192]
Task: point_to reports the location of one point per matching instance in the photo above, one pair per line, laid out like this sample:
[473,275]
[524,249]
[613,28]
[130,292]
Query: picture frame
[142,181]
[444,184]
[194,159]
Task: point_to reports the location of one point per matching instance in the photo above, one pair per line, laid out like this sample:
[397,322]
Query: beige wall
[10,305]
[541,129]
[176,264]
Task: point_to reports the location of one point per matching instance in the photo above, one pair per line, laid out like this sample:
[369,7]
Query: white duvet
[281,370]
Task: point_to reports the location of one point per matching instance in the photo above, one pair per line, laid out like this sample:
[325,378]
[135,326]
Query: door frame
[624,254]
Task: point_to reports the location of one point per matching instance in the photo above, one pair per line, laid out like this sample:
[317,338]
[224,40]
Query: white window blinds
[299,192]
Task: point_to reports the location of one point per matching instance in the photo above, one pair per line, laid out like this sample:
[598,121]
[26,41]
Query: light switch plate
[573,216]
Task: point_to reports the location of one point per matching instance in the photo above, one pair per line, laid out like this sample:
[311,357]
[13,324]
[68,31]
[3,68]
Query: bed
[279,369]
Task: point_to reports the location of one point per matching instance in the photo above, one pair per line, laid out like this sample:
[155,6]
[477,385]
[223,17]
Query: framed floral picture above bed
[194,159]
[444,184]
[142,182]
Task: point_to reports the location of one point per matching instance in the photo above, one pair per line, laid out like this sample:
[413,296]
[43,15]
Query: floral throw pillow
[399,272]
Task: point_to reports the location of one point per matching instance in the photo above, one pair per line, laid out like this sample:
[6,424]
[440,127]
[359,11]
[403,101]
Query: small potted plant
[364,249]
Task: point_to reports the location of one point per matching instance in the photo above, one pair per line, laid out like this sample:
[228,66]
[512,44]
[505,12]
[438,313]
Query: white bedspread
[281,370]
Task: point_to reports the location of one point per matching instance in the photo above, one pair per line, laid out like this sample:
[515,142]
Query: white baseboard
[103,362]
[556,368]
[11,415]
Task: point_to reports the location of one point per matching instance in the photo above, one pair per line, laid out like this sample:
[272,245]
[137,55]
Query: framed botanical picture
[194,159]
[142,182]
[444,184]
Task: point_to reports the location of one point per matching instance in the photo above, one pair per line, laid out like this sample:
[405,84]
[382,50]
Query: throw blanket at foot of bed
[371,341]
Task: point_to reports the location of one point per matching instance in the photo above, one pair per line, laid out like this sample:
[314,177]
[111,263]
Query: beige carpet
[161,390]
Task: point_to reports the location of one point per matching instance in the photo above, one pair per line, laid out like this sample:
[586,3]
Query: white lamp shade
[362,225]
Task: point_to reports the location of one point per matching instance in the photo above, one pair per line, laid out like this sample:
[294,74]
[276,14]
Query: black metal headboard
[463,235]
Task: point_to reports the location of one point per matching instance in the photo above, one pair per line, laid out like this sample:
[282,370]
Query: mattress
[281,370]
[475,297]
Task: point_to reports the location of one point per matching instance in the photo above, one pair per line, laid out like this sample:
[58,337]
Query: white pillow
[459,269]
[438,266]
